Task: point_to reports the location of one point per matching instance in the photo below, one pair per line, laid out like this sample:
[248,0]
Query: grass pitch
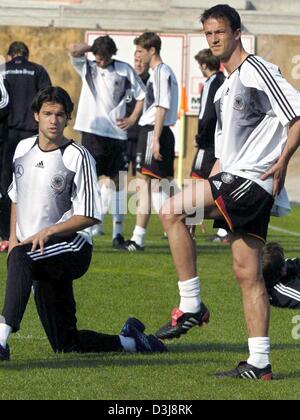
[144,285]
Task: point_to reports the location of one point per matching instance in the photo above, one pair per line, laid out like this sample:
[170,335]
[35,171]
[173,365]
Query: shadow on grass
[95,361]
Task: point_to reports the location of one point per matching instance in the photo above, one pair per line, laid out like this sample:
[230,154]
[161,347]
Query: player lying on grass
[282,277]
[54,199]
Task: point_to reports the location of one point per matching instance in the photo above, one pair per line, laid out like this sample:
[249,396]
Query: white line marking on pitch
[287,232]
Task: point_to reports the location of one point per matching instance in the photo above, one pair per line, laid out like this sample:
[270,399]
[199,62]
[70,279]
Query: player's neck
[47,144]
[156,60]
[236,59]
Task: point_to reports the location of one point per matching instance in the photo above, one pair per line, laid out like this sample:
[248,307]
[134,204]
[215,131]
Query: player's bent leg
[192,311]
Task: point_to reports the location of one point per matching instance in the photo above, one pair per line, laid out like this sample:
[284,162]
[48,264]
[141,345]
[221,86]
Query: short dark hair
[104,46]
[149,40]
[18,48]
[273,263]
[206,57]
[53,94]
[223,11]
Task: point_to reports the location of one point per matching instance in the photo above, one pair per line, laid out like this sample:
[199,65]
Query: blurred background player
[101,118]
[282,277]
[156,145]
[133,132]
[4,220]
[25,79]
[205,138]
[48,247]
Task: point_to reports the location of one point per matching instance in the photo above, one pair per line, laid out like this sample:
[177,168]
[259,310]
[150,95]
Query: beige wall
[48,47]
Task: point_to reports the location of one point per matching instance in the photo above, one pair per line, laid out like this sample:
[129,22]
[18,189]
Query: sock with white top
[139,234]
[128,344]
[118,212]
[259,348]
[5,332]
[189,290]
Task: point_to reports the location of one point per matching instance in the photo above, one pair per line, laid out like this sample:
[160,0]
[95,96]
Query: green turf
[145,285]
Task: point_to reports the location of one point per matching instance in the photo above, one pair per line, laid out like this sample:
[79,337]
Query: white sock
[128,344]
[5,332]
[259,348]
[222,233]
[158,200]
[139,234]
[190,295]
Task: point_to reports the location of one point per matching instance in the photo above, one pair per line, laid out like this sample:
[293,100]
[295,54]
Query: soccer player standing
[54,195]
[258,131]
[156,145]
[101,118]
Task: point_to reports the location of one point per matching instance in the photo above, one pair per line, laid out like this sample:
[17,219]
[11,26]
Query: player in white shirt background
[156,144]
[54,199]
[258,132]
[101,118]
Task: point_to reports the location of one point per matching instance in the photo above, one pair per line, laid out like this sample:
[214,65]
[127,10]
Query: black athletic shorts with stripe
[245,206]
[109,154]
[203,163]
[145,163]
[52,275]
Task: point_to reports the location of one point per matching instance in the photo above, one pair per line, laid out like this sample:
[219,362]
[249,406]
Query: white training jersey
[51,187]
[162,91]
[255,106]
[103,96]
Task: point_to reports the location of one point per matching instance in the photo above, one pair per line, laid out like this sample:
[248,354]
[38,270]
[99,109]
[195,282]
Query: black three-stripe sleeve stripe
[274,88]
[88,182]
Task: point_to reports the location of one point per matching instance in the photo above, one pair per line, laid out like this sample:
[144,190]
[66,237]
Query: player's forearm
[71,226]
[292,144]
[78,50]
[159,123]
[13,223]
[138,109]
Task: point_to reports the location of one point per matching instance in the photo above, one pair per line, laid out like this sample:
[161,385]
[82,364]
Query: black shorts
[131,148]
[203,164]
[245,206]
[109,154]
[146,164]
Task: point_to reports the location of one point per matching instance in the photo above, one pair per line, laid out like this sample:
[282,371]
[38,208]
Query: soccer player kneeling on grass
[258,131]
[54,199]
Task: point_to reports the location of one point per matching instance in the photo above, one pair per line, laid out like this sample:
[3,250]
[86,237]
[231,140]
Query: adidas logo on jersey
[40,165]
[217,184]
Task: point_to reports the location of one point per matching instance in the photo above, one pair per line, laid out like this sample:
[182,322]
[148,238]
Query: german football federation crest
[58,183]
[227,178]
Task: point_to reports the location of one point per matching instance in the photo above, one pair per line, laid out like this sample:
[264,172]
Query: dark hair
[149,40]
[273,263]
[223,11]
[55,95]
[104,46]
[206,57]
[18,48]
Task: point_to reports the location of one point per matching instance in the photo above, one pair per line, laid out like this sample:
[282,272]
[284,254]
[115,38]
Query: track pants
[52,276]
